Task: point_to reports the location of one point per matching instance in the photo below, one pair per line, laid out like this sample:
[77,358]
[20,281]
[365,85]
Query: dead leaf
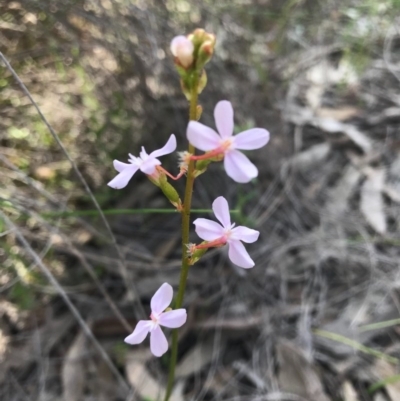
[143,382]
[354,134]
[340,194]
[73,370]
[339,114]
[371,204]
[297,375]
[380,397]
[349,393]
[384,369]
[304,160]
[392,193]
[196,359]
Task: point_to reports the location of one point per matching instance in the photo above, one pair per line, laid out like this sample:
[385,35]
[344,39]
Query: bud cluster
[191,53]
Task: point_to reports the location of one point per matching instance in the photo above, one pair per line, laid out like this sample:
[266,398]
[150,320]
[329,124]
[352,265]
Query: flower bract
[236,164]
[227,233]
[147,163]
[171,319]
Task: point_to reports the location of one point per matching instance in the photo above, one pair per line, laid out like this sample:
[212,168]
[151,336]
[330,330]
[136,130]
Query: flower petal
[220,208]
[122,179]
[182,48]
[168,148]
[161,299]
[208,230]
[239,167]
[173,319]
[202,137]
[181,44]
[149,165]
[254,138]
[119,166]
[158,342]
[140,332]
[244,234]
[223,114]
[238,255]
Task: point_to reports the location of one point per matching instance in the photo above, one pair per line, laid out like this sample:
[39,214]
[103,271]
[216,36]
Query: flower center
[228,231]
[138,161]
[227,144]
[154,318]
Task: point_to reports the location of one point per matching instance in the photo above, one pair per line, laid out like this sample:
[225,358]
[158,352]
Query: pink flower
[172,319]
[182,48]
[236,164]
[146,163]
[219,234]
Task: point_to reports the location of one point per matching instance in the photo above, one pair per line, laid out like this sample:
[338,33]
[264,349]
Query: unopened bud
[170,192]
[206,51]
[182,48]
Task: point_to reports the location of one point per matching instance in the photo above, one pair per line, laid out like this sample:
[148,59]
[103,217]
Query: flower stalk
[187,203]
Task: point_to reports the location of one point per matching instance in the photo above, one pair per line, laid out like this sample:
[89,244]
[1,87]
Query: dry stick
[66,299]
[124,271]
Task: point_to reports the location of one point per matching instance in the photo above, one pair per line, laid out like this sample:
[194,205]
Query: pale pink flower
[171,319]
[147,163]
[236,164]
[226,232]
[182,48]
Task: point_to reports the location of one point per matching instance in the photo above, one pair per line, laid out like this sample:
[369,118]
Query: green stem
[187,202]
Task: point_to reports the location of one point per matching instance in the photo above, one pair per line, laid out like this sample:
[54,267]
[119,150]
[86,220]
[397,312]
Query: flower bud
[170,193]
[182,48]
[206,50]
[204,44]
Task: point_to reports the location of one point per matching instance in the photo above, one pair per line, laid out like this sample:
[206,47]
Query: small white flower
[171,319]
[236,164]
[226,232]
[146,163]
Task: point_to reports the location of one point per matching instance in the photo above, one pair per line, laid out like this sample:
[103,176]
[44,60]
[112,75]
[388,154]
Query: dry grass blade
[372,205]
[356,345]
